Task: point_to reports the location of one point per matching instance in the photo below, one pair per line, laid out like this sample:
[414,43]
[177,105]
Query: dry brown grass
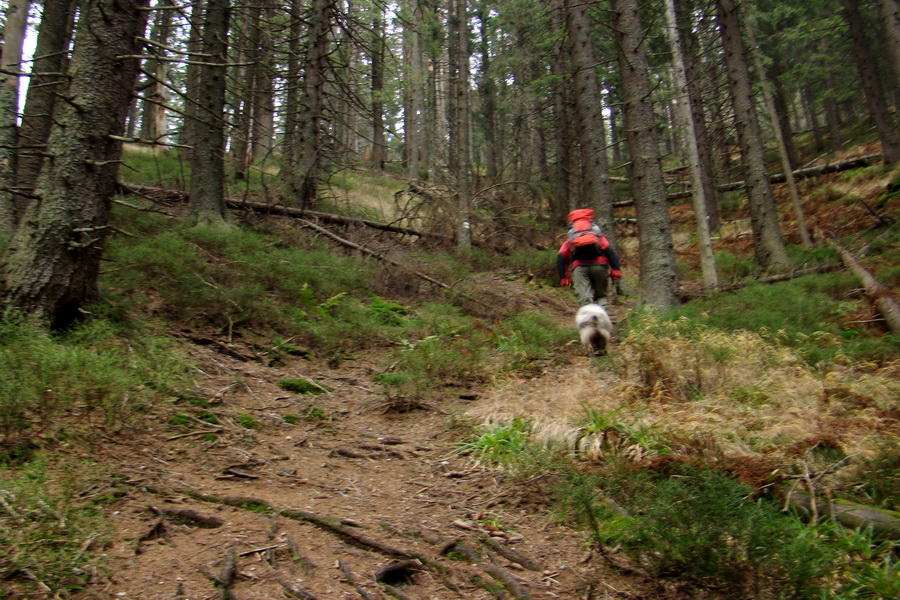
[723,394]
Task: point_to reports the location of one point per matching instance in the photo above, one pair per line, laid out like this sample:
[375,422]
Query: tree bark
[768,242]
[154,112]
[377,91]
[686,117]
[51,265]
[262,133]
[877,293]
[890,17]
[888,132]
[46,83]
[658,286]
[309,159]
[595,189]
[10,62]
[207,205]
[780,139]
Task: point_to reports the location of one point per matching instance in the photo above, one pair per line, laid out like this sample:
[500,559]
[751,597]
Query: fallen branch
[367,252]
[295,591]
[877,293]
[352,580]
[510,554]
[189,517]
[841,165]
[276,209]
[884,523]
[225,577]
[507,579]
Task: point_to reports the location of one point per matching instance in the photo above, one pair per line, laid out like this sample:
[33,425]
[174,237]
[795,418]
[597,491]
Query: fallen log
[841,165]
[277,209]
[770,279]
[877,293]
[884,523]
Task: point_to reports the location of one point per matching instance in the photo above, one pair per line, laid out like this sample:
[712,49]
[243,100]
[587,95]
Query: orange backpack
[587,242]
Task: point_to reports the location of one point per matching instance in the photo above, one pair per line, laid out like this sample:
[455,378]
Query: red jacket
[564,258]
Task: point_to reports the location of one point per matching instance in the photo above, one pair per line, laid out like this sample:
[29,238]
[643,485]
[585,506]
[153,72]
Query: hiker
[587,259]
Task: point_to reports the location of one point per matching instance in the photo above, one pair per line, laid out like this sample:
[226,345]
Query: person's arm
[614,267]
[562,263]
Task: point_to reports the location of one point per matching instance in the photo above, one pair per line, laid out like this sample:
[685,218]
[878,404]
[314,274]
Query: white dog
[594,328]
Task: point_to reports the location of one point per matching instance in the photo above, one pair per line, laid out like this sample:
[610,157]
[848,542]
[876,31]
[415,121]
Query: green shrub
[808,313]
[303,386]
[63,385]
[700,527]
[51,526]
[499,445]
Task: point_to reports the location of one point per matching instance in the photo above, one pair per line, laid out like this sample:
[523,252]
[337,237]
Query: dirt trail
[391,483]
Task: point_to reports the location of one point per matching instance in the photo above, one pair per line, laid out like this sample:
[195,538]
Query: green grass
[498,445]
[98,374]
[812,314]
[703,529]
[52,526]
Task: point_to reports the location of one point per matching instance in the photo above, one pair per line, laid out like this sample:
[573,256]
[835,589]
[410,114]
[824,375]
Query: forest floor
[256,507]
[240,514]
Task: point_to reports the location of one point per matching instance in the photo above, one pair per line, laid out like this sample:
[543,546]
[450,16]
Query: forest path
[391,483]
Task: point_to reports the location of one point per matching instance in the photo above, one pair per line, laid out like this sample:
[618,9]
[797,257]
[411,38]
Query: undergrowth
[98,375]
[51,525]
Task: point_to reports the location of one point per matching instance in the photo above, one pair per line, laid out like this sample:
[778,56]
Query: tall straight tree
[10,63]
[595,189]
[890,16]
[686,116]
[51,265]
[458,117]
[207,203]
[154,120]
[693,74]
[658,282]
[769,245]
[377,91]
[888,131]
[780,138]
[47,83]
[312,104]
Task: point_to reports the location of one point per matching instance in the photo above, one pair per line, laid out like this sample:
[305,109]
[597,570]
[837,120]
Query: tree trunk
[207,206]
[560,202]
[415,110]
[487,90]
[377,91]
[154,111]
[595,189]
[658,281]
[888,132]
[290,142]
[51,265]
[47,81]
[877,293]
[262,133]
[192,80]
[890,17]
[309,163]
[769,245]
[13,38]
[457,119]
[686,117]
[246,50]
[780,139]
